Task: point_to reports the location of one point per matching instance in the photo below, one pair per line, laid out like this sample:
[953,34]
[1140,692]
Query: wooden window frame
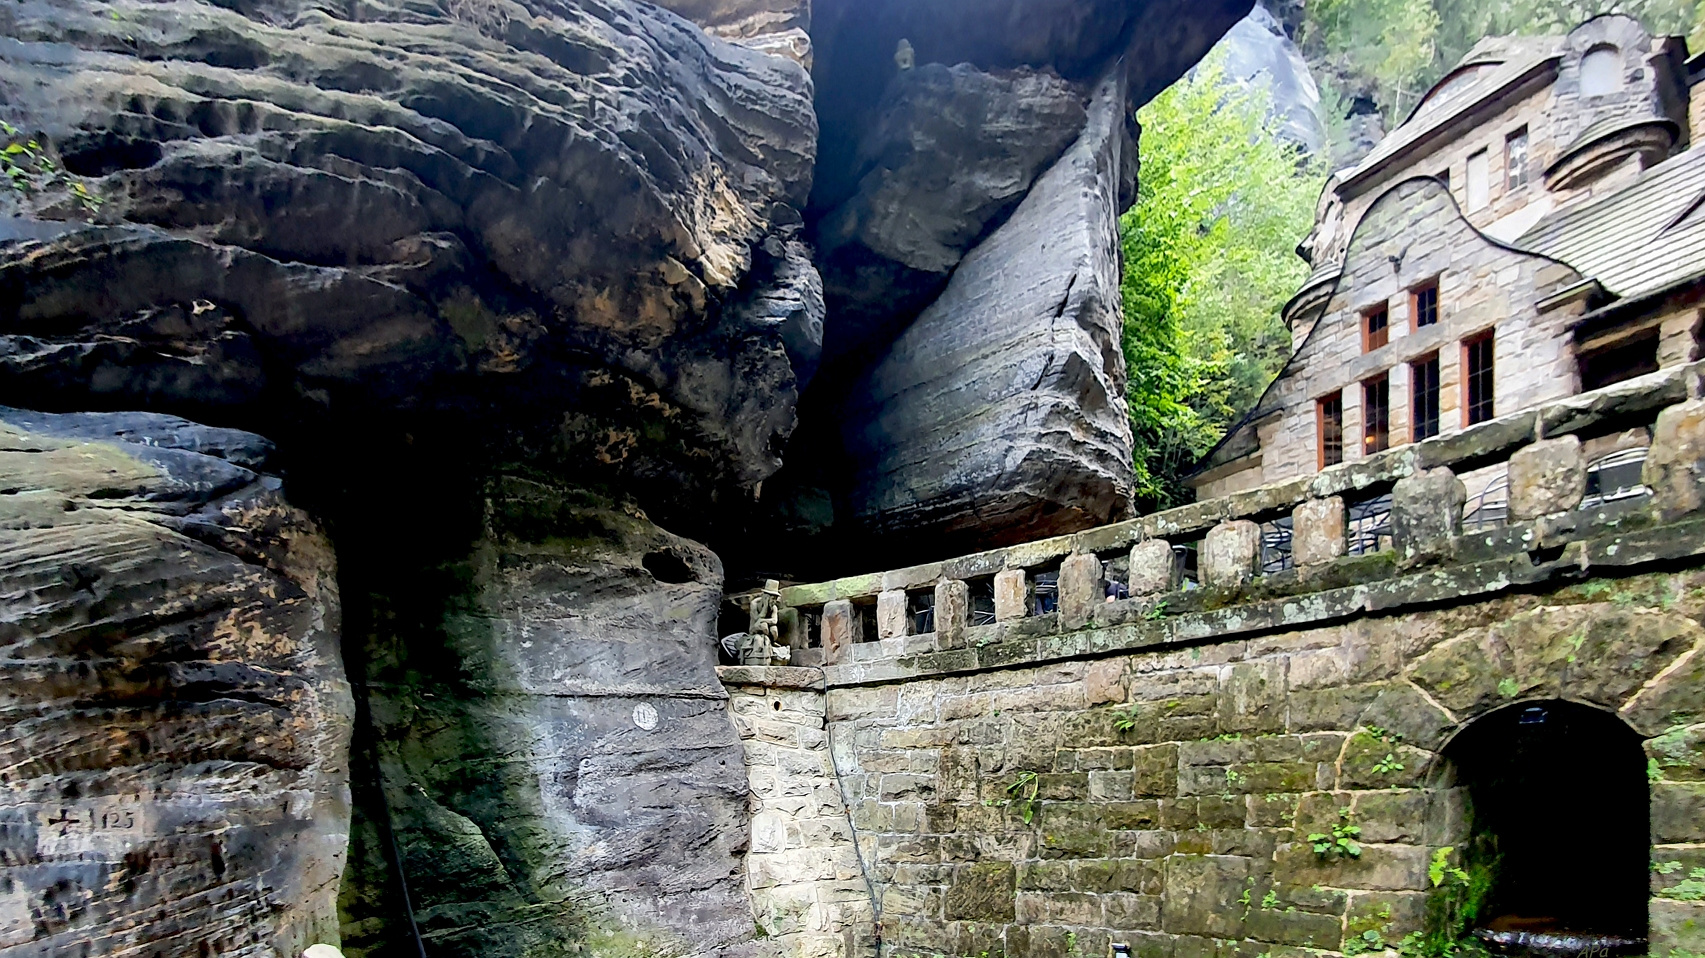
[1367,315]
[1510,138]
[1369,385]
[1320,428]
[1468,343]
[1415,304]
[1415,418]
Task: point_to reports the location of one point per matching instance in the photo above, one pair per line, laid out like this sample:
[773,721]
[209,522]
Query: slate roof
[1645,237]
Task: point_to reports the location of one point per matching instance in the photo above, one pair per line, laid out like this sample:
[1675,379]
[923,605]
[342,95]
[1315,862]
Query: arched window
[1601,71]
[1536,774]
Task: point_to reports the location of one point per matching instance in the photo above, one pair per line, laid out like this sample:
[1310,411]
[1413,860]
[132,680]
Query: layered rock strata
[174,773]
[1000,413]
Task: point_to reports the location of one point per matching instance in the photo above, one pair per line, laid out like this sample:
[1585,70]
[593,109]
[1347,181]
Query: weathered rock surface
[484,203]
[174,774]
[952,150]
[1000,413]
[778,27]
[557,760]
[1258,53]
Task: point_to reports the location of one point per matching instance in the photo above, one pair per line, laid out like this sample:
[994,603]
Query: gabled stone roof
[1645,237]
[1505,62]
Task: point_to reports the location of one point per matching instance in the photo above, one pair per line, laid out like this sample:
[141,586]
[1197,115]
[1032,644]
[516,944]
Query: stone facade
[1524,131]
[809,896]
[1276,764]
[1413,235]
[1169,809]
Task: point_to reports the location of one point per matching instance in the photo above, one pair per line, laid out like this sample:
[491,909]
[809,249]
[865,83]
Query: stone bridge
[1397,732]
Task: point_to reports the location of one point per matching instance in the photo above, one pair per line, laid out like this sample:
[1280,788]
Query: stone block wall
[1163,799]
[809,895]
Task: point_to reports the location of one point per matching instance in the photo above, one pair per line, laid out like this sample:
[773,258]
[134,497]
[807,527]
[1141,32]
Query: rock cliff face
[514,287]
[175,773]
[1000,412]
[316,215]
[557,767]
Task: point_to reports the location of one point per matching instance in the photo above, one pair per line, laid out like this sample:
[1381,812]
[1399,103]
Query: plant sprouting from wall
[1021,795]
[29,169]
[1458,894]
[1340,841]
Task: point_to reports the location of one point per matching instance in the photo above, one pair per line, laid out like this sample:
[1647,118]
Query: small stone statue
[904,57]
[763,632]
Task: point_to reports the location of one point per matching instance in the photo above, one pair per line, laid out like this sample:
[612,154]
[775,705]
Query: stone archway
[1558,808]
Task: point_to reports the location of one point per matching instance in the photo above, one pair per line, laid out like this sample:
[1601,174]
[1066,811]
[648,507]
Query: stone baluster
[1426,515]
[840,631]
[1546,477]
[1317,531]
[1012,599]
[952,610]
[892,622]
[1675,465]
[1082,588]
[1231,554]
[1154,568]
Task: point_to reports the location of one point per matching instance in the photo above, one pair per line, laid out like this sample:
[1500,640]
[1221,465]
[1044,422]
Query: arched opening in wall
[1601,71]
[1558,812]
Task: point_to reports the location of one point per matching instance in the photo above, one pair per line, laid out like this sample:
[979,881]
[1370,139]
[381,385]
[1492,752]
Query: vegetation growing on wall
[1209,260]
[29,169]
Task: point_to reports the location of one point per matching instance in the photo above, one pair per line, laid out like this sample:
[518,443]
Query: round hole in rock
[667,567]
[1558,811]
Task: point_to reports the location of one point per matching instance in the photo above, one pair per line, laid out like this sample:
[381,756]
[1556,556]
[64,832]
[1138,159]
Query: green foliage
[1459,893]
[1396,50]
[1691,888]
[30,170]
[1370,940]
[1209,259]
[1021,794]
[1388,765]
[1340,842]
[1508,688]
[1125,720]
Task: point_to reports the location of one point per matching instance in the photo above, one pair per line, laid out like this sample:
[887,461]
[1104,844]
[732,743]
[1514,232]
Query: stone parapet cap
[771,676]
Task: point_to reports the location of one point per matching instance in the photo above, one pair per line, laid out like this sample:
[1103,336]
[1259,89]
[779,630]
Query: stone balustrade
[1548,478]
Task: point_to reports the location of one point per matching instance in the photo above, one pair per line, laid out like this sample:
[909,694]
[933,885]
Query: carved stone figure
[762,631]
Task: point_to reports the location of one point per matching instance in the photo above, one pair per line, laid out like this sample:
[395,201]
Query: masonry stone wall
[809,895]
[1162,799]
[1415,234]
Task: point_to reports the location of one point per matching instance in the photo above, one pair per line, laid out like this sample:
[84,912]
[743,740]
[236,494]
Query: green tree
[1396,50]
[1210,258]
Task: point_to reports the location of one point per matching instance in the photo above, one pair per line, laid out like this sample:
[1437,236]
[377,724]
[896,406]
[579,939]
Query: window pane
[1331,416]
[1477,364]
[1426,305]
[1601,72]
[1376,326]
[1479,187]
[1424,386]
[1515,158]
[1376,415]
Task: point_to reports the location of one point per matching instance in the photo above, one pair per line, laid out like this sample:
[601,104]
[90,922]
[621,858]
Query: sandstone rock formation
[175,774]
[1001,411]
[1258,53]
[514,287]
[557,762]
[313,215]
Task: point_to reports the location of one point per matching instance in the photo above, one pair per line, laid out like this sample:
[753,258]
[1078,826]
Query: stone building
[1531,231]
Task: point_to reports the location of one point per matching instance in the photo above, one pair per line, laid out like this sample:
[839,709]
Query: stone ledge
[1133,625]
[1586,414]
[772,676]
